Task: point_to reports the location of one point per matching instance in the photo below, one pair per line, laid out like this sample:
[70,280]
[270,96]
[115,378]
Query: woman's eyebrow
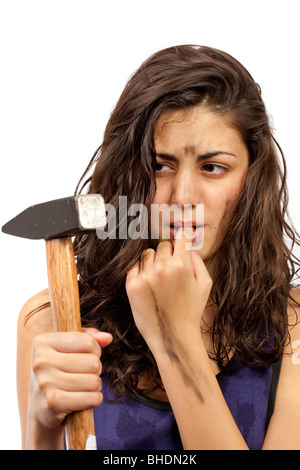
[167,156]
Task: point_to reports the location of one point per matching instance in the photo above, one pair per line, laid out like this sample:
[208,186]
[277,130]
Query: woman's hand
[168,291]
[65,375]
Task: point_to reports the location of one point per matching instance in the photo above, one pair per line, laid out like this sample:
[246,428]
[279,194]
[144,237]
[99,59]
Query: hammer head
[59,218]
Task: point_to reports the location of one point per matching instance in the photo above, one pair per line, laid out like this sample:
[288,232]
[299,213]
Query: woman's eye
[214,169]
[211,168]
[160,167]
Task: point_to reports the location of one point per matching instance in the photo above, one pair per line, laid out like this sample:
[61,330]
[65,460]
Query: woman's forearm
[202,415]
[40,438]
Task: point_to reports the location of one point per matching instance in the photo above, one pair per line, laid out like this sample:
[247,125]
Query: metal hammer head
[61,217]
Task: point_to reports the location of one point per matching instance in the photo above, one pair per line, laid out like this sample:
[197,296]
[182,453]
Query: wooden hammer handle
[64,298]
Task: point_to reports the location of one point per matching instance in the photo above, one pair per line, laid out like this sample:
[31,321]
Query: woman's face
[201,163]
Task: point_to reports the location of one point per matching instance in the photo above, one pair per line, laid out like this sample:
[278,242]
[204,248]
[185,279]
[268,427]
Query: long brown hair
[255,263]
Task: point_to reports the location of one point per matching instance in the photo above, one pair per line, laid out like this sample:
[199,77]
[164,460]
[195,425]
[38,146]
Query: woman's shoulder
[35,315]
[293,319]
[294,312]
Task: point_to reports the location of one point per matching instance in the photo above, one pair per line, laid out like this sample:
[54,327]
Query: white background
[63,65]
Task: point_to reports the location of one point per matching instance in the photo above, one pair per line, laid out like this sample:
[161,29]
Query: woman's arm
[168,292]
[201,412]
[57,373]
[28,328]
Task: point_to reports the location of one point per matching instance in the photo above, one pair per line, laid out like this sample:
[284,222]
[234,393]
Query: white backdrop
[63,65]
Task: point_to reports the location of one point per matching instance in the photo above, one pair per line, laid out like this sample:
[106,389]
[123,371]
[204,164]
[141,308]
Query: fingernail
[188,233]
[179,232]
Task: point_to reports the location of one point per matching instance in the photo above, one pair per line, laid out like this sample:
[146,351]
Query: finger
[76,401]
[164,250]
[67,342]
[103,338]
[147,259]
[73,382]
[183,241]
[76,363]
[134,271]
[199,268]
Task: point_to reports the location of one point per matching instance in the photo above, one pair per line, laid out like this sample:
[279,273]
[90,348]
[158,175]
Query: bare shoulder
[35,316]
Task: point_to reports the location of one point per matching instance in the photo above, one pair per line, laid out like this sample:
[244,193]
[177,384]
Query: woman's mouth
[197,230]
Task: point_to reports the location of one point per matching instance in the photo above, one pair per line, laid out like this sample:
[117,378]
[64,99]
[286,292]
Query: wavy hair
[255,264]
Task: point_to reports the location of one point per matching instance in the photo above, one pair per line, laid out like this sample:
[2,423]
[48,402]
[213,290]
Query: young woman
[194,334]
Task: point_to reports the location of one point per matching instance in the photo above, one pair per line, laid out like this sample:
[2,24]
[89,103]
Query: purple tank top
[134,423]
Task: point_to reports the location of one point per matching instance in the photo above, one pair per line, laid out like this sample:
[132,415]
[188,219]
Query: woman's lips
[197,230]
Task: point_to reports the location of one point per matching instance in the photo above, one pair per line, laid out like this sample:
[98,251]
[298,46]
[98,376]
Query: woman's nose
[185,189]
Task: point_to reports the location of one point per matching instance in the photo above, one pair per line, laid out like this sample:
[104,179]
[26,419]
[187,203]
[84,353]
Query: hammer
[56,222]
